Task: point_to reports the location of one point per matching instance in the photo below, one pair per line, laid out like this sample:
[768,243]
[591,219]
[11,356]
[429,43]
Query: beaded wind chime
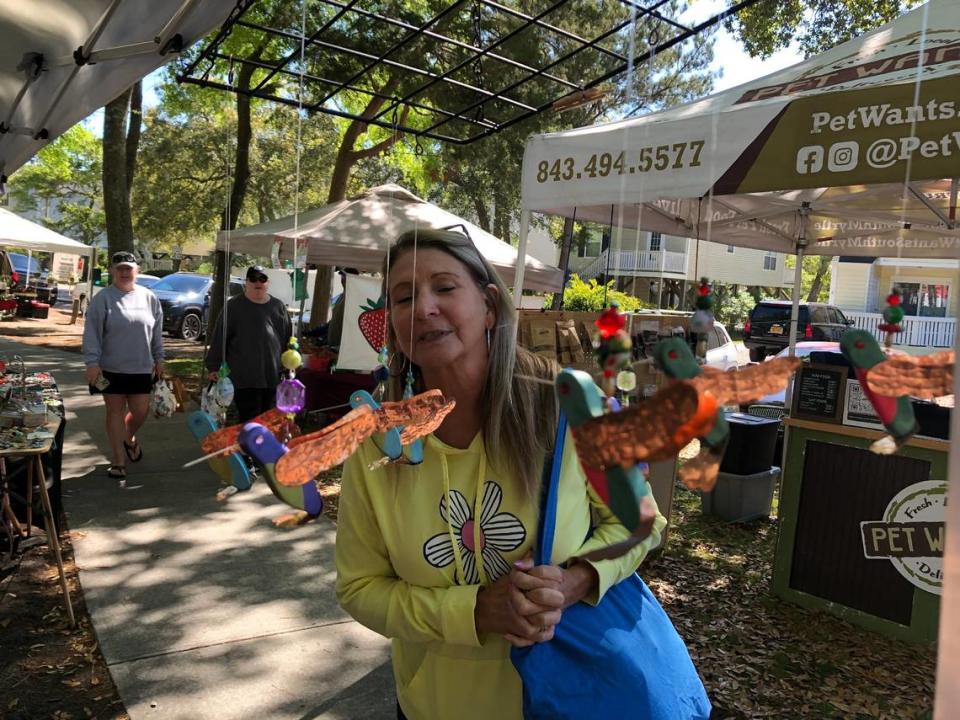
[612,349]
[892,317]
[702,321]
[291,393]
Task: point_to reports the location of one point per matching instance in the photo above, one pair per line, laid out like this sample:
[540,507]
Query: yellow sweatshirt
[411,557]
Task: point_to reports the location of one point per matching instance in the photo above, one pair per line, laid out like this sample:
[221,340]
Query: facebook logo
[810,159]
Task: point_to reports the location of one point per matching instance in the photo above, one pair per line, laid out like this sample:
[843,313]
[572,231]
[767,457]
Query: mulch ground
[47,669]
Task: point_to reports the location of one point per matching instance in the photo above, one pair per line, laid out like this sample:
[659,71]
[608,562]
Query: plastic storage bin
[738,498]
[39,310]
[933,419]
[753,441]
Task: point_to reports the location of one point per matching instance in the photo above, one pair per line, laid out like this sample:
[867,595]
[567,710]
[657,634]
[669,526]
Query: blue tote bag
[621,658]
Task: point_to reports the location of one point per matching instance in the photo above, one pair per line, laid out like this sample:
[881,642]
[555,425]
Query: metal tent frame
[439,88]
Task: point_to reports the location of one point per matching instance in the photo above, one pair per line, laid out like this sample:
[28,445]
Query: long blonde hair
[521,419]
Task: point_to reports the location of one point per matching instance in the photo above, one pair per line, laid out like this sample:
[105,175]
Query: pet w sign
[911,534]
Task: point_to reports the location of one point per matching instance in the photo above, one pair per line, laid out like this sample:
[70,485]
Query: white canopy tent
[20,233]
[853,152]
[846,152]
[356,232]
[62,59]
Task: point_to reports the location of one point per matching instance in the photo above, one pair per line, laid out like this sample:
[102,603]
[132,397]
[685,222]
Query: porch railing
[629,262]
[917,331]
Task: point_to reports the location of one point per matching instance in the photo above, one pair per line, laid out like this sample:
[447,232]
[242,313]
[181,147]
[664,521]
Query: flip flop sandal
[118,472]
[130,449]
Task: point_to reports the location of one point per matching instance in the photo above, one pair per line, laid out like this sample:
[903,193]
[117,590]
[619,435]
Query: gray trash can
[739,498]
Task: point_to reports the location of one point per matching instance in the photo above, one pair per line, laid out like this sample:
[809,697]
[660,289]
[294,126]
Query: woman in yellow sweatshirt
[436,556]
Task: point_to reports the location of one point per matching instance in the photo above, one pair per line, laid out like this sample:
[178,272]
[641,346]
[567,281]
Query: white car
[824,352]
[722,352]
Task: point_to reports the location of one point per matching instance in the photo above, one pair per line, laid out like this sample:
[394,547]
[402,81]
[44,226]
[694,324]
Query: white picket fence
[917,331]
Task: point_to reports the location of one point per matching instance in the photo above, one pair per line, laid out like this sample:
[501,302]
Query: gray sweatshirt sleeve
[156,341]
[93,330]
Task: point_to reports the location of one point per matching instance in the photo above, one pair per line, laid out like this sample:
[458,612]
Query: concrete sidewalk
[203,609]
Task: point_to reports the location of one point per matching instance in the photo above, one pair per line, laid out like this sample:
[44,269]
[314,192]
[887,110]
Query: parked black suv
[767,331]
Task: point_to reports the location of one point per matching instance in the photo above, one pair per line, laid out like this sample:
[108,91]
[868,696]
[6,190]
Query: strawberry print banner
[363,324]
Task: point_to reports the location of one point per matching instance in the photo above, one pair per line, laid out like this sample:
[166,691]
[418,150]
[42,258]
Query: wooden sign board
[818,393]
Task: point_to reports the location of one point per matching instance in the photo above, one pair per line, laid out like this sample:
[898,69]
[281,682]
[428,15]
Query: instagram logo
[843,156]
[810,159]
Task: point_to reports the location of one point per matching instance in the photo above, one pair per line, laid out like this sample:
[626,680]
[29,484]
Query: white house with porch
[659,268]
[859,287]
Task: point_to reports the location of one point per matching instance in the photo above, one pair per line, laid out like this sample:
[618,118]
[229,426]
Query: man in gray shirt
[251,334]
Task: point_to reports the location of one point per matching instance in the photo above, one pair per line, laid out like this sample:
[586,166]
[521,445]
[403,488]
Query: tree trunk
[133,133]
[564,261]
[238,191]
[343,165]
[116,198]
[822,268]
[483,215]
[501,221]
[347,158]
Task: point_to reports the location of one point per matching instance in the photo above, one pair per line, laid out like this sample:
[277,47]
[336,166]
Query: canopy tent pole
[521,258]
[954,189]
[798,277]
[92,260]
[947,696]
[84,51]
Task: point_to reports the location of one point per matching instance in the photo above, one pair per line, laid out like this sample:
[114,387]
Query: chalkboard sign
[818,393]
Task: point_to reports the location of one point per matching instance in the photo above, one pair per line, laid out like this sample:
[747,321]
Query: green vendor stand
[835,497]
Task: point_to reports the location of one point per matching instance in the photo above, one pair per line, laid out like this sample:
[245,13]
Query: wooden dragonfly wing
[419,415]
[309,455]
[646,431]
[749,384]
[273,419]
[925,376]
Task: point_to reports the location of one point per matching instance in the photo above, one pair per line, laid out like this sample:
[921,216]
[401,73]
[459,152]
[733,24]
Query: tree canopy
[62,184]
[815,25]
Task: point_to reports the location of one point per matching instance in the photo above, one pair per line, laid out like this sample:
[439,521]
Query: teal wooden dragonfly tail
[621,488]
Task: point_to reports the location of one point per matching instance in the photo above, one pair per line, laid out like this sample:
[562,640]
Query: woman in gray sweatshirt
[123,352]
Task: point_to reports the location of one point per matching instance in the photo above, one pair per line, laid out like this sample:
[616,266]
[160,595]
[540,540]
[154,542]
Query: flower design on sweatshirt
[500,532]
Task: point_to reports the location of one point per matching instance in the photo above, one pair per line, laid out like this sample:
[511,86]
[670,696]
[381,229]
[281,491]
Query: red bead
[893,299]
[703,290]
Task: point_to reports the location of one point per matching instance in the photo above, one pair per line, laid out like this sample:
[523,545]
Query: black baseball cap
[256,273]
[123,258]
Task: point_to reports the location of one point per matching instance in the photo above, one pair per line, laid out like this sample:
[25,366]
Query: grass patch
[189,370]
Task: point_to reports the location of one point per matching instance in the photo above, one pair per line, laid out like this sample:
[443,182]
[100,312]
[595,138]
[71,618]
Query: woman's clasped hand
[526,605]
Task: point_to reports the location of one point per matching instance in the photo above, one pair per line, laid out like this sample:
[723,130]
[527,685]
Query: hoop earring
[488,341]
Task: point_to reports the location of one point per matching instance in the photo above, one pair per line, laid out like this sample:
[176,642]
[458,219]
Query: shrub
[733,310]
[591,296]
